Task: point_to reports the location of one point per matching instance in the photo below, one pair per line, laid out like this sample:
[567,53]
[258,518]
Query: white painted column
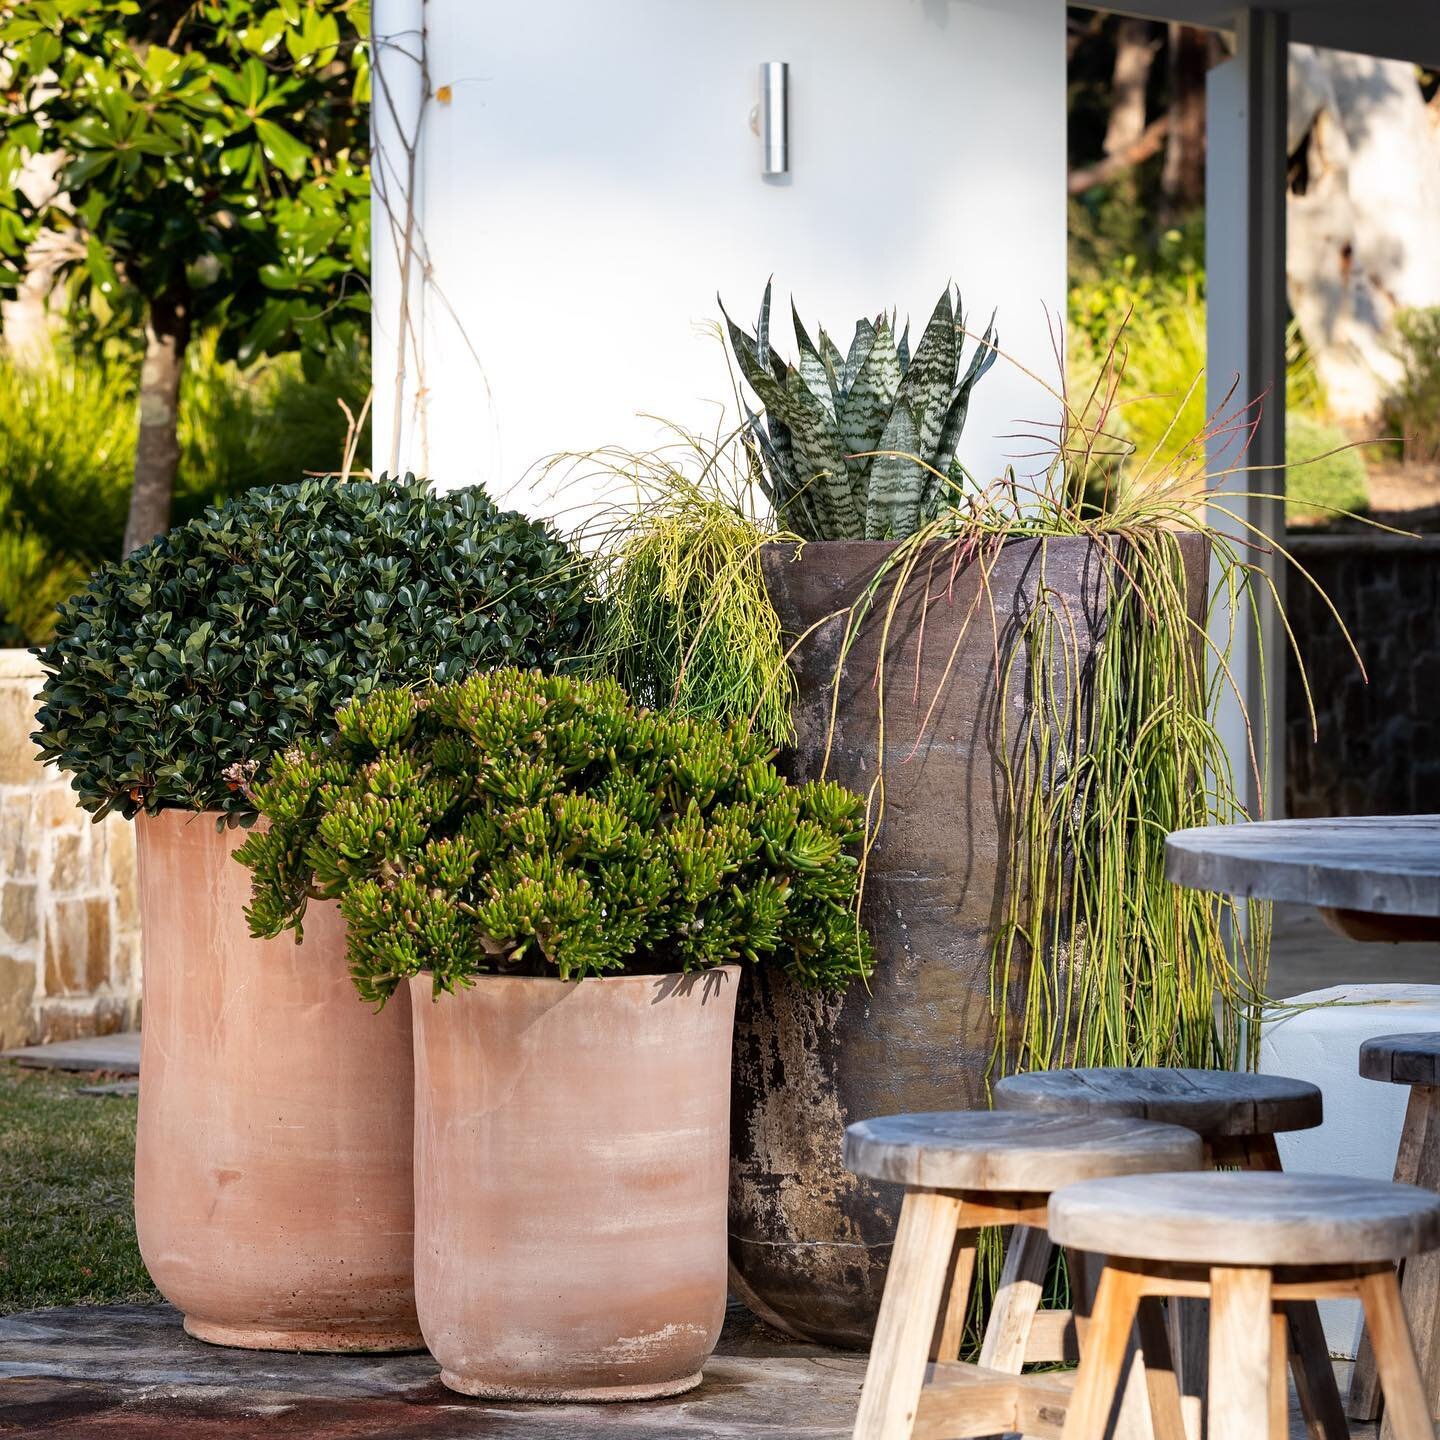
[1245,191]
[398,114]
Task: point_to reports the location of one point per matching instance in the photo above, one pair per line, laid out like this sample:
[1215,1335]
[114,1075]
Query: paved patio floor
[129,1372]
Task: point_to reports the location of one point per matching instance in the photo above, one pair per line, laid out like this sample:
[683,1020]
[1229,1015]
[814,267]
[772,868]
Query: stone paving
[129,1372]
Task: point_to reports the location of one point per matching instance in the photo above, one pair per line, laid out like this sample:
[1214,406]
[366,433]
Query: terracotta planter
[571,1149]
[272,1170]
[809,1243]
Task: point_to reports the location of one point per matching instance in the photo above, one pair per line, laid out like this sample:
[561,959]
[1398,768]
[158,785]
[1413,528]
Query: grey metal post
[1246,111]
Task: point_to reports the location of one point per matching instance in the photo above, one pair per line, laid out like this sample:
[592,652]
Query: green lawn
[67,1230]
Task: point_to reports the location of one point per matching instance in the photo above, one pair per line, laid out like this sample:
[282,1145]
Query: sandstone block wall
[69,929]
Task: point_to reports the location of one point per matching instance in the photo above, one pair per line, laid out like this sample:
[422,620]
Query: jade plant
[861,446]
[522,824]
[180,673]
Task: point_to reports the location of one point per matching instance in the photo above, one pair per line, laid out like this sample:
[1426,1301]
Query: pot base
[336,1341]
[596,1394]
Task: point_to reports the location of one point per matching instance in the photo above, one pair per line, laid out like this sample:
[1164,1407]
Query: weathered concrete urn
[571,1151]
[809,1243]
[273,1192]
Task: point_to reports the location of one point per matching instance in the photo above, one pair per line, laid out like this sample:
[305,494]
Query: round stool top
[1402,1059]
[1247,1218]
[984,1150]
[1212,1103]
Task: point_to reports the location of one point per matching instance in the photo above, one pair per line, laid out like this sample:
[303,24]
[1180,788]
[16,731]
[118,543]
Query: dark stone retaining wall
[1378,751]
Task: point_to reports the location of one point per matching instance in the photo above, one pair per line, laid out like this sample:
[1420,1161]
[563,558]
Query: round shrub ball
[1319,483]
[179,674]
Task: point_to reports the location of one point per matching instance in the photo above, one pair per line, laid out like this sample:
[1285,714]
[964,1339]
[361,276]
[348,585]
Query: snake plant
[842,434]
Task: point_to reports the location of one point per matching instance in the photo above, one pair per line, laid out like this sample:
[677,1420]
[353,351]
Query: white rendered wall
[592,181]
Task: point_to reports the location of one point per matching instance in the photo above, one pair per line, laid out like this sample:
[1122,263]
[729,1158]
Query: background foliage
[539,825]
[186,668]
[215,147]
[215,178]
[1414,412]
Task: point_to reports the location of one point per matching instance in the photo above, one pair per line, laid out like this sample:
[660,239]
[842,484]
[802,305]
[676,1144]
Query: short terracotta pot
[571,1158]
[273,1191]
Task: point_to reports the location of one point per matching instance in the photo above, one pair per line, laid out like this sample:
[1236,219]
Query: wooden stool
[965,1170]
[1412,1060]
[1237,1116]
[1255,1246]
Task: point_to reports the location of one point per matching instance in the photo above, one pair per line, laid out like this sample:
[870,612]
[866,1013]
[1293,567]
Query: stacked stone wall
[69,929]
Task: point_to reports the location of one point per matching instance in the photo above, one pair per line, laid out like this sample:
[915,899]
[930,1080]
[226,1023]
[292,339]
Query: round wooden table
[1372,877]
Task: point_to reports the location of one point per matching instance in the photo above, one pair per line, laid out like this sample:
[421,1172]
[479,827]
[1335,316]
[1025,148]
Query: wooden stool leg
[1102,1356]
[1279,1376]
[1162,1383]
[1407,1411]
[950,1329]
[1239,1351]
[1418,1149]
[1315,1383]
[1022,1285]
[1189,1324]
[914,1286]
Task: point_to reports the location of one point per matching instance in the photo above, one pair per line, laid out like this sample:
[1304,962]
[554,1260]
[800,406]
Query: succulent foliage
[524,824]
[195,661]
[842,434]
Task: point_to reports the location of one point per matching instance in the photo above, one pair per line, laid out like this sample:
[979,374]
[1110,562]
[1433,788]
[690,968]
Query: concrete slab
[1307,955]
[129,1372]
[119,1054]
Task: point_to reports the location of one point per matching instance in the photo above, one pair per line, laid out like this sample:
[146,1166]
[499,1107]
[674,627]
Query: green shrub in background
[1322,476]
[1159,315]
[32,584]
[181,672]
[68,429]
[1414,412]
[520,824]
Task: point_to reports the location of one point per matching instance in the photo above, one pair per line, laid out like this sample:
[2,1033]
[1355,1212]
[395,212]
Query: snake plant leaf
[929,383]
[812,366]
[860,344]
[835,365]
[828,419]
[867,407]
[820,468]
[762,326]
[896,481]
[986,353]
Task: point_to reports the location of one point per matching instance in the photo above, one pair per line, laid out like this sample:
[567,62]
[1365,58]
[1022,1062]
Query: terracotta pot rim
[686,978]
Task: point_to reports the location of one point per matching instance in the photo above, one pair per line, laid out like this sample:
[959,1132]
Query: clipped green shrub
[186,668]
[1414,411]
[532,825]
[68,426]
[1322,475]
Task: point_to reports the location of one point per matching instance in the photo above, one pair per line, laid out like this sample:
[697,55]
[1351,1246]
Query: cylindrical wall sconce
[775,117]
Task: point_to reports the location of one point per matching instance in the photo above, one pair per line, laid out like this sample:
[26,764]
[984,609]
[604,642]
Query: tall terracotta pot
[272,1169]
[571,1150]
[809,1243]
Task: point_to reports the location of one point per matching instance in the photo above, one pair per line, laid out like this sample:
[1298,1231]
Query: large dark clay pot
[809,1243]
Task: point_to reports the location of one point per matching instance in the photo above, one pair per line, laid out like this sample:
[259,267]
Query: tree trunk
[1364,209]
[1182,179]
[1134,52]
[157,452]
